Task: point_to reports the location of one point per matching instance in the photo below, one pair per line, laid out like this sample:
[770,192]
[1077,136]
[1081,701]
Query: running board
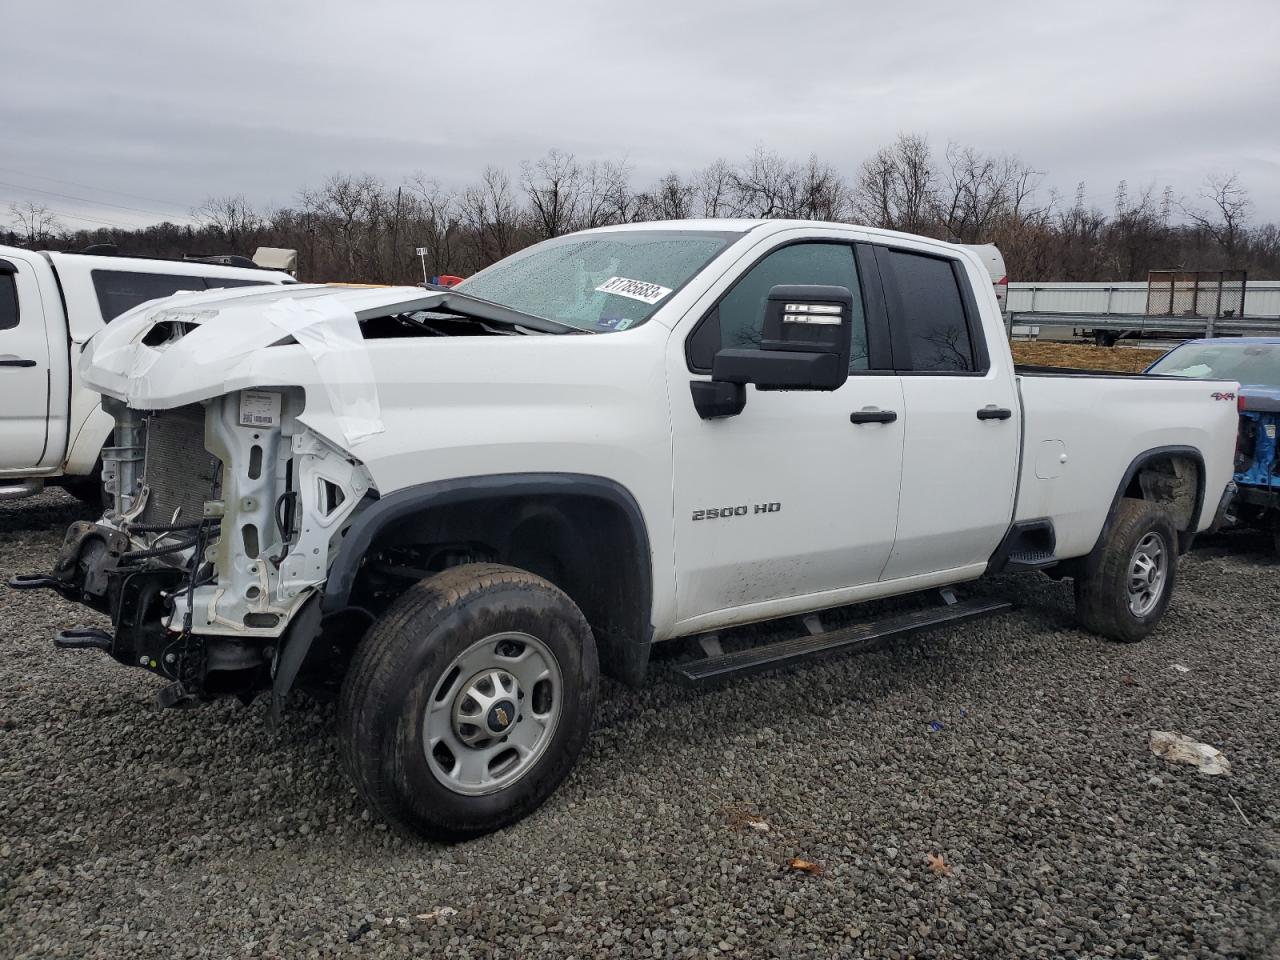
[786,653]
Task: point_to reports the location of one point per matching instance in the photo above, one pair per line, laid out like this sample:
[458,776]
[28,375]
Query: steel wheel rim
[493,713]
[1148,573]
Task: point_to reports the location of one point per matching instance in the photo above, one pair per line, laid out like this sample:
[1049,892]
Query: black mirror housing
[805,342]
[780,370]
[809,318]
[717,398]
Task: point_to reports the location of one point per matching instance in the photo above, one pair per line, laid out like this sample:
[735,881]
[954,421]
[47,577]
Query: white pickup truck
[461,505]
[52,429]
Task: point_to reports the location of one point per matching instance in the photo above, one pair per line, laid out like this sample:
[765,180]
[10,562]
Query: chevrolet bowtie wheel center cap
[486,709]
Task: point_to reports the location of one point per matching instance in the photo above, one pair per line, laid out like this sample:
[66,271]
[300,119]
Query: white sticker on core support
[259,408]
[640,290]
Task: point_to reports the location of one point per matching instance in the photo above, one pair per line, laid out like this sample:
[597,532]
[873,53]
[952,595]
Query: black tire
[90,491]
[1102,599]
[402,660]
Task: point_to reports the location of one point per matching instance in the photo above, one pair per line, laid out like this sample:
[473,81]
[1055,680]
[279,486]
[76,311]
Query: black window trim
[879,356]
[10,269]
[900,345]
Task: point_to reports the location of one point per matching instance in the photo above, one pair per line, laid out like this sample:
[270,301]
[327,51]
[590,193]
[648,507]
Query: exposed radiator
[179,472]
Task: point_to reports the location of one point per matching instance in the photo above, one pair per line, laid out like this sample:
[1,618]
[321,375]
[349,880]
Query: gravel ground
[1013,748]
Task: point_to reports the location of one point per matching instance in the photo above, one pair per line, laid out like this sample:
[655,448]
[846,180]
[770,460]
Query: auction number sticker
[640,290]
[259,408]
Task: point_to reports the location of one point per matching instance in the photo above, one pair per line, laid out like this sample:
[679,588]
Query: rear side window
[8,302]
[121,290]
[741,311]
[217,283]
[933,314]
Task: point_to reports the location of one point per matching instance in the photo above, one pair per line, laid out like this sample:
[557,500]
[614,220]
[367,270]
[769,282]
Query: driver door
[24,370]
[791,497]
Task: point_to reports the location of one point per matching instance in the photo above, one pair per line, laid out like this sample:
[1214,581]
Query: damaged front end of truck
[225,510]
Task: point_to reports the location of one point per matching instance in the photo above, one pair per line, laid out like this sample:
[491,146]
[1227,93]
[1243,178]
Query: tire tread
[1100,607]
[374,669]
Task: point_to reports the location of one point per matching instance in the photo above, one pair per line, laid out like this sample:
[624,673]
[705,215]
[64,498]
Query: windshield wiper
[466,304]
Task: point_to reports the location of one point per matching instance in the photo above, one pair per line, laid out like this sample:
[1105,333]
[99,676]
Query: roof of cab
[747,225]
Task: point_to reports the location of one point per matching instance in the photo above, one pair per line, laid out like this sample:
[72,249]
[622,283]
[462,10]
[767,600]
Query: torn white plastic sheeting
[330,333]
[1180,749]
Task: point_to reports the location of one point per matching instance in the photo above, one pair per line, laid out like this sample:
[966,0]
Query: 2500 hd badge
[741,510]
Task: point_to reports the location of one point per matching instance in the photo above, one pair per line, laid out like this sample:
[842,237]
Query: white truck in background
[993,261]
[52,427]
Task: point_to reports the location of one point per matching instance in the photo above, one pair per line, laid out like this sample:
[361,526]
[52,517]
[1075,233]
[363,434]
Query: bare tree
[554,187]
[1138,231]
[897,187]
[232,216]
[356,227]
[606,195]
[669,199]
[1227,216]
[1080,231]
[765,186]
[35,222]
[489,211]
[823,193]
[350,213]
[713,186]
[434,220]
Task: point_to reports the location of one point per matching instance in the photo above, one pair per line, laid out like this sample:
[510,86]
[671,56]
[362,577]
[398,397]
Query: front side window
[933,313]
[741,311]
[122,290]
[8,302]
[599,282]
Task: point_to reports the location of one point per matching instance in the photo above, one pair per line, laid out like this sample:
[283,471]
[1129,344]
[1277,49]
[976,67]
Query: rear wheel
[1129,591]
[468,702]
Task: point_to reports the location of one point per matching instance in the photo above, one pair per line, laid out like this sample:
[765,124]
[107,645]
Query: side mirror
[805,344]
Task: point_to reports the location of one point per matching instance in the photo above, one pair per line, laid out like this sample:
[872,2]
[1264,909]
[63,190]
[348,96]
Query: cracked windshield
[600,283]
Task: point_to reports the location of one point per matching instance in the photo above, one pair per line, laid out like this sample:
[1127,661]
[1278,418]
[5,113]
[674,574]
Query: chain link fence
[1210,294]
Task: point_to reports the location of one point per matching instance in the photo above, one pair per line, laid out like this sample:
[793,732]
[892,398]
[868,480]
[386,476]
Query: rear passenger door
[960,451]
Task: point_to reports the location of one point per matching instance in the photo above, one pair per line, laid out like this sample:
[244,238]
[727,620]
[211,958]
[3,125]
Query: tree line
[358,227]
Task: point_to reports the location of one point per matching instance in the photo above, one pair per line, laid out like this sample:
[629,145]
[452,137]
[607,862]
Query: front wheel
[1129,591]
[468,702]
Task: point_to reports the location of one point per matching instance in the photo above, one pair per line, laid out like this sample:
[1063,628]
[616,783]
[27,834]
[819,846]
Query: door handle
[873,416]
[992,412]
[12,361]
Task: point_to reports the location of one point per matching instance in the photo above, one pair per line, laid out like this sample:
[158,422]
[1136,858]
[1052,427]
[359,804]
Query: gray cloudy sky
[155,105]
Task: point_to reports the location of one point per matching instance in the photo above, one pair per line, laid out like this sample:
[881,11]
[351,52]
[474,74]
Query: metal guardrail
[1139,323]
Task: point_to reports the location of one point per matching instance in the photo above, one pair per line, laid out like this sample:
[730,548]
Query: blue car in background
[1255,362]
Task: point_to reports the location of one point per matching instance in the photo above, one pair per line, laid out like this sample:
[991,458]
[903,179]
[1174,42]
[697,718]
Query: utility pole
[395,240]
